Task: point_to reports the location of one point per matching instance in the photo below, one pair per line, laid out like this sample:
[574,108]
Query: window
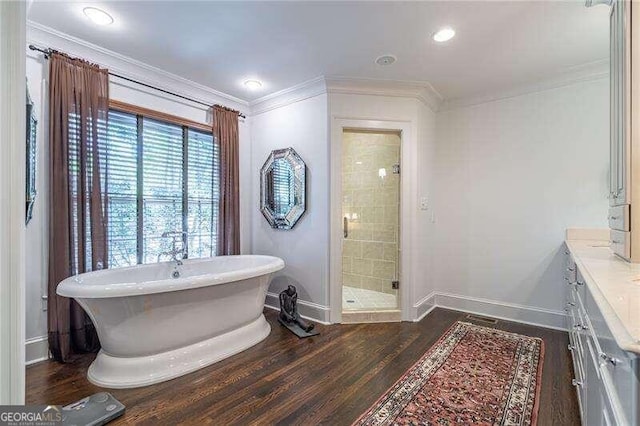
[160,177]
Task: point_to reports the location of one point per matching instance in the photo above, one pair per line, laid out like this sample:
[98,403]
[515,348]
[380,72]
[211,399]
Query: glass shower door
[371,220]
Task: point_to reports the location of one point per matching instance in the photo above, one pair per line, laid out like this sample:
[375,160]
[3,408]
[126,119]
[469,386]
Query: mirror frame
[289,220]
[31,159]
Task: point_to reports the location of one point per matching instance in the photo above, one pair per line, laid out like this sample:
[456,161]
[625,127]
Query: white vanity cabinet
[606,378]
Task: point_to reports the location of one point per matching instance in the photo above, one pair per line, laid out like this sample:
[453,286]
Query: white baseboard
[425,305]
[539,317]
[36,349]
[308,310]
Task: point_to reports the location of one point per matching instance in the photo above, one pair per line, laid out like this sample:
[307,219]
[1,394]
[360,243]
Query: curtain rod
[47,52]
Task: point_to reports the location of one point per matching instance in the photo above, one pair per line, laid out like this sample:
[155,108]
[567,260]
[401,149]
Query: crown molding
[299,92]
[420,90]
[44,36]
[578,74]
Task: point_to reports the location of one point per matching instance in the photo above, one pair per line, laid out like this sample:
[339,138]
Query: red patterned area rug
[473,375]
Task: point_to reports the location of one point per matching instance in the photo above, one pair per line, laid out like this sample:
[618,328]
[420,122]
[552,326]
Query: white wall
[37,230]
[512,175]
[303,126]
[425,228]
[36,233]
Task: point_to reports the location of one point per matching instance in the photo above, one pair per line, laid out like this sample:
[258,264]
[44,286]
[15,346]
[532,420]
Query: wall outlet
[424,203]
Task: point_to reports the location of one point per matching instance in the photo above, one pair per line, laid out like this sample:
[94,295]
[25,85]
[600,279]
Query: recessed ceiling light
[385,59]
[444,34]
[252,84]
[98,16]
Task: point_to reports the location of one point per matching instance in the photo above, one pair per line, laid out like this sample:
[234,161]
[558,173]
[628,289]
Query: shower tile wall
[371,204]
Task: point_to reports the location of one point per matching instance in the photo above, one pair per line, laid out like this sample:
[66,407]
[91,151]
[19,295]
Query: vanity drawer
[620,243]
[570,270]
[577,357]
[572,314]
[580,287]
[582,307]
[569,316]
[603,407]
[581,329]
[572,297]
[579,379]
[572,302]
[621,367]
[619,218]
[612,409]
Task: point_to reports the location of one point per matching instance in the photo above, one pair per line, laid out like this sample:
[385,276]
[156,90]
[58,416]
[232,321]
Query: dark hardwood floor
[329,379]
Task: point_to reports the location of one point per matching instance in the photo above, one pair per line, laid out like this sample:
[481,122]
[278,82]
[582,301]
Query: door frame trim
[408,187]
[13,45]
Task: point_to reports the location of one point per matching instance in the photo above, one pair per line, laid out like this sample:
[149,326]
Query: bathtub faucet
[176,254]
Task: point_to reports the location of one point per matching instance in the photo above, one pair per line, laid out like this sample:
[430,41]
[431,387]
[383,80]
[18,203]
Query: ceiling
[498,45]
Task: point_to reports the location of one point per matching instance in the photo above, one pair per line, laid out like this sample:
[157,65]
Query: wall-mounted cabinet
[620,63]
[624,217]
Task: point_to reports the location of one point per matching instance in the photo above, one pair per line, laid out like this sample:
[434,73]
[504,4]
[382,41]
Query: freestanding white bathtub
[153,327]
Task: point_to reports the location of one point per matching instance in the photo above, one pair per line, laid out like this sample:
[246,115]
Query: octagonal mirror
[283,188]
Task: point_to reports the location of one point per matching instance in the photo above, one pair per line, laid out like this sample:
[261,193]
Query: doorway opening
[370,222]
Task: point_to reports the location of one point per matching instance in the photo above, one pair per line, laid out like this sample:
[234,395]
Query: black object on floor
[289,316]
[297,330]
[94,410]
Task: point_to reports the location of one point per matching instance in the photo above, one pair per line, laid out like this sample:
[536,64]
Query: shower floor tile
[361,298]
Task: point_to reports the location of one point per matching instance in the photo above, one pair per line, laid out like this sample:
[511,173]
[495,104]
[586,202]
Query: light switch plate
[424,203]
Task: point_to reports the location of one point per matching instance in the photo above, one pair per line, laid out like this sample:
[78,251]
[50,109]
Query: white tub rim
[73,287]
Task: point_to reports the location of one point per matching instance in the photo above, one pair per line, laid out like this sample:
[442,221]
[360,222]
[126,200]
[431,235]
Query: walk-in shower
[370,219]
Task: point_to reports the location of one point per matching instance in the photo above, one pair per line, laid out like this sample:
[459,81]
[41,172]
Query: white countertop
[615,286]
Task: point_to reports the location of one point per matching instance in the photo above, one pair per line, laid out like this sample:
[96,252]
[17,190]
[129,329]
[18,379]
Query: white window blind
[203,193]
[283,187]
[160,177]
[80,189]
[122,189]
[162,186]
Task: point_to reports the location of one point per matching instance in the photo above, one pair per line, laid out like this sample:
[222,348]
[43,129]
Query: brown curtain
[225,130]
[78,113]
